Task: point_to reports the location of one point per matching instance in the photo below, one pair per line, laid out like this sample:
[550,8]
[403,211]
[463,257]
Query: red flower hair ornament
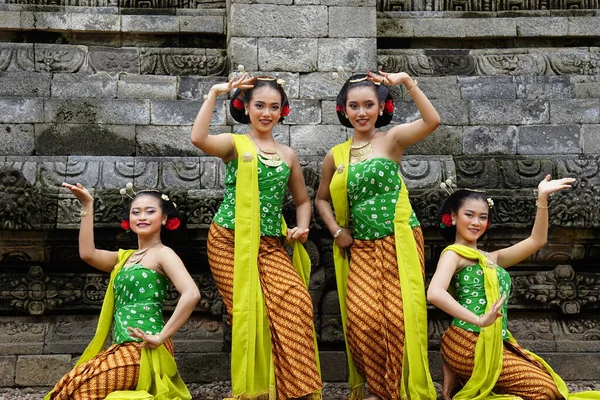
[389,106]
[126,225]
[446,220]
[285,111]
[237,103]
[173,224]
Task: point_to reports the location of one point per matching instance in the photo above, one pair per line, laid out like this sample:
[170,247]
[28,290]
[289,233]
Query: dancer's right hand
[82,194]
[490,317]
[344,241]
[241,82]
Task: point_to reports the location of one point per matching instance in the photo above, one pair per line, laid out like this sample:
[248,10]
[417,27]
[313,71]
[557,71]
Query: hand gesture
[387,79]
[548,186]
[82,194]
[149,341]
[241,82]
[490,317]
[344,241]
[297,234]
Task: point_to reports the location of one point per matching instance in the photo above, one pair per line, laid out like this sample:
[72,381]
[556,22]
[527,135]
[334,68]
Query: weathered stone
[101,172]
[587,89]
[507,112]
[354,54]
[573,366]
[41,370]
[590,138]
[58,21]
[147,87]
[165,141]
[363,22]
[95,22]
[316,140]
[284,21]
[10,20]
[17,57]
[395,27]
[437,88]
[328,113]
[549,139]
[543,88]
[330,304]
[584,111]
[201,23]
[16,139]
[98,111]
[7,371]
[490,140]
[445,139]
[183,112]
[203,367]
[19,335]
[583,26]
[280,54]
[304,112]
[110,59]
[80,85]
[61,58]
[200,335]
[70,334]
[485,27]
[556,26]
[439,28]
[84,139]
[24,84]
[334,366]
[423,171]
[243,51]
[194,87]
[21,110]
[319,86]
[149,23]
[452,112]
[486,87]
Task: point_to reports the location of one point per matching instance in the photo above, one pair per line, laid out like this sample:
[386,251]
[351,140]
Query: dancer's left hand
[149,341]
[388,79]
[297,233]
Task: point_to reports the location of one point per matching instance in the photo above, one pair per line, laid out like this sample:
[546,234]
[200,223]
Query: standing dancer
[274,353]
[381,287]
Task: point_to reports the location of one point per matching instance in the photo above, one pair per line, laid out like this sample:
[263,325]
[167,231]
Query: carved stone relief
[483,5]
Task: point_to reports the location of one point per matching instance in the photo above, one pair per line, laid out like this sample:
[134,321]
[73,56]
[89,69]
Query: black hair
[241,97]
[167,207]
[383,96]
[453,203]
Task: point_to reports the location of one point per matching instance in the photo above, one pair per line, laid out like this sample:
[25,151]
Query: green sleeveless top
[470,293]
[139,296]
[272,186]
[373,188]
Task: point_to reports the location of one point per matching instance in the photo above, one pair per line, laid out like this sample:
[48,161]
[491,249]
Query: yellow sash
[489,347]
[252,371]
[416,379]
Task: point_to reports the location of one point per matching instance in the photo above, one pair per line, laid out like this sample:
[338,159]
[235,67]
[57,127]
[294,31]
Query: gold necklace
[270,158]
[137,256]
[361,151]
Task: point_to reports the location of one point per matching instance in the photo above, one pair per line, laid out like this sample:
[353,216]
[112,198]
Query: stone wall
[105,92]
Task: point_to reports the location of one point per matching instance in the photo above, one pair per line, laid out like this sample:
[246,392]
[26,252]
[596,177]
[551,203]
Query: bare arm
[301,201]
[406,134]
[539,234]
[100,259]
[216,145]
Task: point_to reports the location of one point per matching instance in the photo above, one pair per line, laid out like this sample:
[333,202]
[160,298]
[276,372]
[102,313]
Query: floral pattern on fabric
[373,187]
[272,186]
[139,296]
[470,293]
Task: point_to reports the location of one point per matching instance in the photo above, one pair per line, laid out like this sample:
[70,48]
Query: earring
[164,222]
[380,113]
[453,222]
[246,111]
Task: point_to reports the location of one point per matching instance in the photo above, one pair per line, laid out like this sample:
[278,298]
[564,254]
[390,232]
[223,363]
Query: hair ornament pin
[448,186]
[490,202]
[241,68]
[281,82]
[340,74]
[128,186]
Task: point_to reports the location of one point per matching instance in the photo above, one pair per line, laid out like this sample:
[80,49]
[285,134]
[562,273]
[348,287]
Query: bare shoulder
[167,255]
[451,259]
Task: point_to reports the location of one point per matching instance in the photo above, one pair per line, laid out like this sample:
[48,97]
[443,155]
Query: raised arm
[100,259]
[297,188]
[216,145]
[406,134]
[539,234]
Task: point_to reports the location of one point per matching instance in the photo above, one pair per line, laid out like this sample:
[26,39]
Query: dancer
[381,286]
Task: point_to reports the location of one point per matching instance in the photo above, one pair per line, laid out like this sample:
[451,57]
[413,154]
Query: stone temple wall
[104,92]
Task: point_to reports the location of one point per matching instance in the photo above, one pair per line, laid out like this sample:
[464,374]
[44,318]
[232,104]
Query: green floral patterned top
[373,189]
[272,186]
[470,293]
[139,296]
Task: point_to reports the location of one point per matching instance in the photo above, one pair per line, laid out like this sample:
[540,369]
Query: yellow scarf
[159,378]
[489,347]
[252,371]
[416,379]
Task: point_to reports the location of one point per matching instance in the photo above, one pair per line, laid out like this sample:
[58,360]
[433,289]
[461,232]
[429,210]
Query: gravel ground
[217,390]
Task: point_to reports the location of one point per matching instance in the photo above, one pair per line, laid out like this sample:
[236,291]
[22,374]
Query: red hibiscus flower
[338,108]
[285,111]
[447,219]
[173,224]
[125,225]
[389,106]
[237,103]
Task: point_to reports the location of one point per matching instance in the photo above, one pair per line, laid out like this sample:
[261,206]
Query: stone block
[195,87]
[39,170]
[243,51]
[395,27]
[98,111]
[59,58]
[549,139]
[203,367]
[486,87]
[70,334]
[508,112]
[490,139]
[183,112]
[544,88]
[304,112]
[41,370]
[444,87]
[147,87]
[149,23]
[281,54]
[583,111]
[200,335]
[352,22]
[423,171]
[583,26]
[578,366]
[542,27]
[95,22]
[69,86]
[351,54]
[316,140]
[334,366]
[330,304]
[590,138]
[16,139]
[21,110]
[56,21]
[283,21]
[328,113]
[91,139]
[487,27]
[452,112]
[7,371]
[111,59]
[318,86]
[19,335]
[101,172]
[165,141]
[446,139]
[439,27]
[214,24]
[10,20]
[24,84]
[587,90]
